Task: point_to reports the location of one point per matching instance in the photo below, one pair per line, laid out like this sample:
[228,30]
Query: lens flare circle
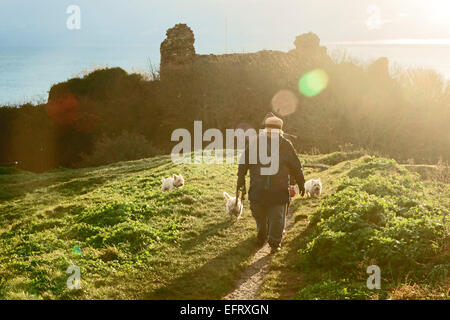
[313,83]
[284,102]
[77,250]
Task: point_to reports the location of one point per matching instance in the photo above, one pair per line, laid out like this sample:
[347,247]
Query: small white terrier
[168,184]
[313,188]
[233,210]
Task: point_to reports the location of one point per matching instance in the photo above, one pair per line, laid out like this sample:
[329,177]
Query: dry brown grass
[416,292]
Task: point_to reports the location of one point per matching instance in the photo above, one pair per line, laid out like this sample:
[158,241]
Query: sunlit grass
[129,239]
[298,273]
[132,241]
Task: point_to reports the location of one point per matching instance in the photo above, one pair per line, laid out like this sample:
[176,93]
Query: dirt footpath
[251,279]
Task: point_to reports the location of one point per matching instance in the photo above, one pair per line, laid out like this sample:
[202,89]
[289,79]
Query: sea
[27,73]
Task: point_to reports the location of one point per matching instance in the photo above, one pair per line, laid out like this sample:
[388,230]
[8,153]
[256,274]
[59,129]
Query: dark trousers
[270,222]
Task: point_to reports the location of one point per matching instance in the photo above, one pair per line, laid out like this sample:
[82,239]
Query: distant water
[436,57]
[27,73]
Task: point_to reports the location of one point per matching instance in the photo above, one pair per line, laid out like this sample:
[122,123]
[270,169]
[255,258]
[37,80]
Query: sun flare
[437,11]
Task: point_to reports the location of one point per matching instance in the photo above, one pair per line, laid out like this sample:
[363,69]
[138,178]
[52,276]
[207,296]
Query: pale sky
[252,24]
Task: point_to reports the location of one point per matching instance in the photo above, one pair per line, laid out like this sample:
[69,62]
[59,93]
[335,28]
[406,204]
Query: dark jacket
[272,189]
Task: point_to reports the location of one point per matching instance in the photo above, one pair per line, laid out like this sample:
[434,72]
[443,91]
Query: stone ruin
[379,69]
[178,47]
[309,44]
[178,50]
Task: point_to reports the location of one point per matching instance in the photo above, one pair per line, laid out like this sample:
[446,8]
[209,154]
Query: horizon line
[404,41]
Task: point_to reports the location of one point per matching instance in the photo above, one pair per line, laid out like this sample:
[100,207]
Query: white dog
[313,188]
[168,184]
[233,210]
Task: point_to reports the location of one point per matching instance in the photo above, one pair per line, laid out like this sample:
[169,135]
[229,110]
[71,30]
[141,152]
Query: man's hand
[240,186]
[301,189]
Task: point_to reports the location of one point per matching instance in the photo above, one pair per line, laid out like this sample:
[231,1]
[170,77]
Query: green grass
[373,212]
[131,241]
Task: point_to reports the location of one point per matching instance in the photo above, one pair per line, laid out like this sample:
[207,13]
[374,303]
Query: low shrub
[333,290]
[124,147]
[337,157]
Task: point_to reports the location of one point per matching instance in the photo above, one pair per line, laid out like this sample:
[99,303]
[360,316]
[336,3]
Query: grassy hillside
[374,212]
[132,241]
[129,239]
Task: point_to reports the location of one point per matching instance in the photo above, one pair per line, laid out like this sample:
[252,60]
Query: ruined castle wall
[178,52]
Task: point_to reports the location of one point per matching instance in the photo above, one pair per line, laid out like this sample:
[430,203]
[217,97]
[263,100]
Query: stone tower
[309,44]
[178,47]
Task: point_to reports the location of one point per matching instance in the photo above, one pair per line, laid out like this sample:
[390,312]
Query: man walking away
[269,194]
